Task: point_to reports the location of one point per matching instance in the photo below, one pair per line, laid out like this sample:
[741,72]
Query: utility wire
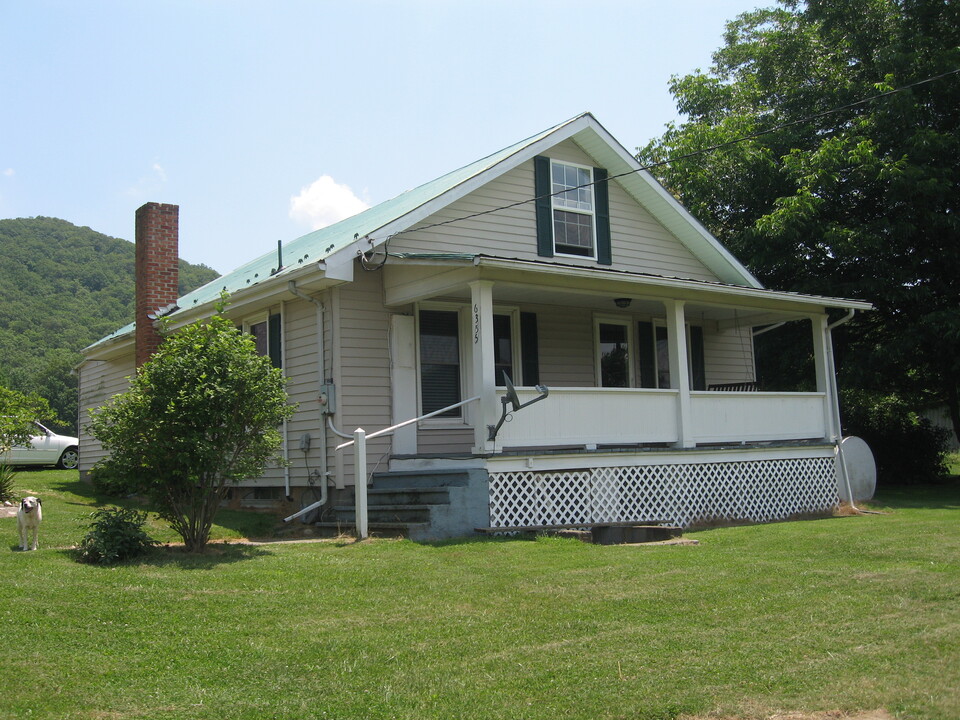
[686,156]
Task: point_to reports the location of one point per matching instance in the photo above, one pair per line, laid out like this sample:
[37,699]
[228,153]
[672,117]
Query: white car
[46,448]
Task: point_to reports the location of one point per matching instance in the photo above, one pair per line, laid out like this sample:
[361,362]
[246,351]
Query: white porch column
[824,368]
[483,369]
[679,377]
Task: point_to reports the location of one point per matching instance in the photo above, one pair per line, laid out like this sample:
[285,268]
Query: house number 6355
[476,324]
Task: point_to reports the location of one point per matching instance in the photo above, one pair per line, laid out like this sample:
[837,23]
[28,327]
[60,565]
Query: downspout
[292,286]
[835,392]
[286,447]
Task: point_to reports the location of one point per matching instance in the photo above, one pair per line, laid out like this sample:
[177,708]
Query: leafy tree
[63,287]
[201,414]
[859,202]
[17,413]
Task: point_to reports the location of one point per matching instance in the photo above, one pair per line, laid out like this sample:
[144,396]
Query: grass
[844,613]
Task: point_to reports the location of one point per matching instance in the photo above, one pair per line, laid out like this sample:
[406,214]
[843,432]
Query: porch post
[821,360]
[483,369]
[679,377]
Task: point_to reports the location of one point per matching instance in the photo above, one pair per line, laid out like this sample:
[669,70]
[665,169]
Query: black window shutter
[602,198]
[529,348]
[697,359]
[273,341]
[544,206]
[647,352]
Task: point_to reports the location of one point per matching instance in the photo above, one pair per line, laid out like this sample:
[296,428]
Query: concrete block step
[420,478]
[386,513]
[408,496]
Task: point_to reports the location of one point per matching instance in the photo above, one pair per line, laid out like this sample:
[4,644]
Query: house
[556,262]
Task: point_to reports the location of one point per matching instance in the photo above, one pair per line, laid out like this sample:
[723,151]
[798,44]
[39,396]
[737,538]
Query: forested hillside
[63,287]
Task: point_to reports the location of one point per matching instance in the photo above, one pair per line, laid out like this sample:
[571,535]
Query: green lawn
[846,613]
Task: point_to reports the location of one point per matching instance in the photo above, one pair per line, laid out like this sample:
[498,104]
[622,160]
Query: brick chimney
[157,271]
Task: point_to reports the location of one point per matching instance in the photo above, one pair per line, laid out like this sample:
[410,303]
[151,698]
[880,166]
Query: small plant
[6,483]
[116,534]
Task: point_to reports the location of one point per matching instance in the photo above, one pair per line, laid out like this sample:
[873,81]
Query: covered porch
[631,361]
[651,414]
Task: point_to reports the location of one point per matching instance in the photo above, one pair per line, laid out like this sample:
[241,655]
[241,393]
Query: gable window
[439,342]
[572,210]
[572,196]
[266,336]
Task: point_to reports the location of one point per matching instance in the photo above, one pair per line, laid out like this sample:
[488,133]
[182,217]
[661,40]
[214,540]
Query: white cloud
[325,202]
[148,183]
[9,172]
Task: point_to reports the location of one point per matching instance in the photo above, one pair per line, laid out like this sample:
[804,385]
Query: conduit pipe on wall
[321,376]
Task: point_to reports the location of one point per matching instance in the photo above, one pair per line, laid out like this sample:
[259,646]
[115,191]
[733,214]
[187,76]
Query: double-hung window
[614,357]
[439,341]
[654,355]
[266,336]
[573,210]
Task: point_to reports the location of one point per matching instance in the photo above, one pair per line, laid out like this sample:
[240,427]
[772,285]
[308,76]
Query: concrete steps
[429,505]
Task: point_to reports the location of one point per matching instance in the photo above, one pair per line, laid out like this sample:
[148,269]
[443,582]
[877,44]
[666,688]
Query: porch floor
[615,449]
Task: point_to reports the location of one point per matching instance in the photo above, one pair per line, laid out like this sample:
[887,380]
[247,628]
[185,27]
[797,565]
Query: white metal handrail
[359,443]
[387,431]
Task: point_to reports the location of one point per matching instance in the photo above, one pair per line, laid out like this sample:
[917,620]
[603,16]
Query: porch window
[654,346]
[439,336]
[613,349]
[503,349]
[662,357]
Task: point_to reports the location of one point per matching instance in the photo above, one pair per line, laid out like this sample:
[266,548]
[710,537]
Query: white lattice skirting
[683,494]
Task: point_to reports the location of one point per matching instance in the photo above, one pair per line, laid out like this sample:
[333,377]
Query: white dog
[28,520]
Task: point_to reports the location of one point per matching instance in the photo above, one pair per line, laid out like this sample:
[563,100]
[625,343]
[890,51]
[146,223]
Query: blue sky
[263,120]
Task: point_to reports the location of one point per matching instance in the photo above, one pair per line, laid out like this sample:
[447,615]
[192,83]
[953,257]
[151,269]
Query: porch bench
[747,386]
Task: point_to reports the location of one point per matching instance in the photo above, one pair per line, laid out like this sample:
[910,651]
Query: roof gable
[343,239]
[340,242]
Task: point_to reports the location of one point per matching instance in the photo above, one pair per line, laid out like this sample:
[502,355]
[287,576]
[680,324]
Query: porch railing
[627,416]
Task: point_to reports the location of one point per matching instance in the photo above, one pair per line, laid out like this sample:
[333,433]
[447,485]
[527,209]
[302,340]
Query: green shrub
[107,481]
[115,535]
[908,449]
[6,483]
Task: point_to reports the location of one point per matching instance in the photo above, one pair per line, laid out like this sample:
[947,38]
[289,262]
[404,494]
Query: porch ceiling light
[622,302]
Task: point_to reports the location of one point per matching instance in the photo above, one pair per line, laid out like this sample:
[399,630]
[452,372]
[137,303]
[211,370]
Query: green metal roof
[321,244]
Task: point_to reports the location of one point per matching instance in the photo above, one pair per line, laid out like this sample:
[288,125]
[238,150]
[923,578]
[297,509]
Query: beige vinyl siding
[638,242]
[566,346]
[363,365]
[728,356]
[444,440]
[299,337]
[99,381]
